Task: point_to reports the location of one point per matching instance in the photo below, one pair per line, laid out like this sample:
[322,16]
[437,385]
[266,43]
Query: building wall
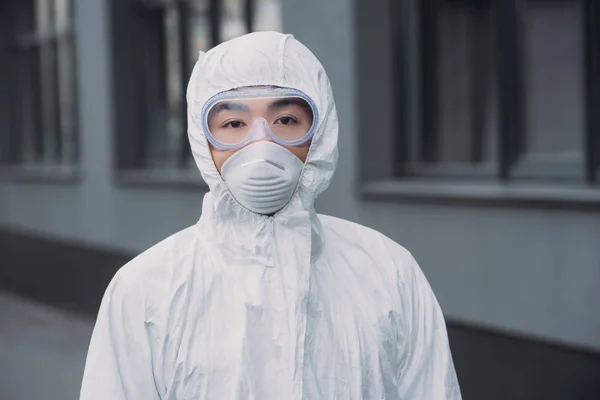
[530,271]
[94,209]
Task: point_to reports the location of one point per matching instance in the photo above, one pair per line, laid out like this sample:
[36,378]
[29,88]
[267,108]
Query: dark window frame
[21,45]
[510,100]
[386,124]
[592,85]
[141,22]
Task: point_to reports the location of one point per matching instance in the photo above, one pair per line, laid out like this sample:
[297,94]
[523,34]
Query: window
[155,46]
[505,88]
[39,107]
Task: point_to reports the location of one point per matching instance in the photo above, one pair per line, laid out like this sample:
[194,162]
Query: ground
[42,350]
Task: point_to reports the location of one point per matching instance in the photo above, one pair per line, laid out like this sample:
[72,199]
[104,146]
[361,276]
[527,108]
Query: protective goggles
[234,118]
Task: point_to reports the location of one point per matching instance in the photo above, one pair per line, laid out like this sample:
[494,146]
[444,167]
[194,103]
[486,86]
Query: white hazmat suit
[291,306]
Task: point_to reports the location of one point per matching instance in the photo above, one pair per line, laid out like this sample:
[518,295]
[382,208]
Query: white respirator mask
[262,176]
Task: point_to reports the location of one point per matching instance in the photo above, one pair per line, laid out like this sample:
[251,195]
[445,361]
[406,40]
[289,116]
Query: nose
[260,130]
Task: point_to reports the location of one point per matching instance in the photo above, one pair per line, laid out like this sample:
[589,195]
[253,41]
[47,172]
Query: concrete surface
[42,350]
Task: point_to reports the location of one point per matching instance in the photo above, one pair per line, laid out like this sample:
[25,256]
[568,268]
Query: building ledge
[41,173]
[174,178]
[533,195]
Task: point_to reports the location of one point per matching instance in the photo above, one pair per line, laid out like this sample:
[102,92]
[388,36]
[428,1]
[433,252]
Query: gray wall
[531,271]
[94,209]
[535,272]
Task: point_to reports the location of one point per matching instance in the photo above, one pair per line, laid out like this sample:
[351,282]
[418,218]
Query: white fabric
[244,306]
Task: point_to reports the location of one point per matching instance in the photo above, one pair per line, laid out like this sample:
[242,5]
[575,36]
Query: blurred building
[469,133]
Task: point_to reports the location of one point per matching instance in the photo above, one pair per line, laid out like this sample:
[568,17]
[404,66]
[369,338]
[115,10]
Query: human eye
[234,124]
[286,120]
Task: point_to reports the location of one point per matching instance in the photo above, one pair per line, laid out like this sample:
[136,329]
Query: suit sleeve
[119,360]
[427,369]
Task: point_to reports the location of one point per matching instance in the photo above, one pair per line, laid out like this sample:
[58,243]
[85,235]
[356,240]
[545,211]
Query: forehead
[260,104]
[258,93]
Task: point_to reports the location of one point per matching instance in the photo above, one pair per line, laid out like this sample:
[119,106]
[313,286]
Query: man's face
[234,119]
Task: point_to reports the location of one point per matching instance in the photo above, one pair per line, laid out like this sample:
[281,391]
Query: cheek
[300,152]
[219,157]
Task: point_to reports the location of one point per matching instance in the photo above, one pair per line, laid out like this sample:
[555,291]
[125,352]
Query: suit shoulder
[344,226]
[152,270]
[369,238]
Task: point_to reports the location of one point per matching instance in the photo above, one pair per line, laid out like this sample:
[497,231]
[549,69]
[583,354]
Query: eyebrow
[233,106]
[290,102]
[228,106]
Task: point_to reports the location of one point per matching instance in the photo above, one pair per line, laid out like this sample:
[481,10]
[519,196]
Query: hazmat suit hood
[264,59]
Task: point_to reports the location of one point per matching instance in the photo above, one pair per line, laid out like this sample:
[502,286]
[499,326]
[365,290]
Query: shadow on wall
[62,274]
[495,366]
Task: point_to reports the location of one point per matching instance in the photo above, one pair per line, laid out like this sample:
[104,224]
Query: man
[263,298]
